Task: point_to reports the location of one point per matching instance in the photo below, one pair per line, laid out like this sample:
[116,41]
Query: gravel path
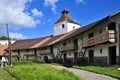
[86,75]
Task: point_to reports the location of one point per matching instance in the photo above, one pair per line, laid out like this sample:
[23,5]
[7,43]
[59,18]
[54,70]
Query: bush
[58,61]
[38,60]
[22,62]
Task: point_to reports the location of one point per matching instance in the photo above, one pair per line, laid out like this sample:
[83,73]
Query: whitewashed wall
[67,27]
[72,26]
[50,56]
[5,42]
[58,28]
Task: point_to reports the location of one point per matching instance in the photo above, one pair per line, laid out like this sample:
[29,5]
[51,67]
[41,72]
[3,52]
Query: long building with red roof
[96,43]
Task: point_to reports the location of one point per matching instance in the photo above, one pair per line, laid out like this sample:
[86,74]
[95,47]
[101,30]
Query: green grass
[4,75]
[40,72]
[110,71]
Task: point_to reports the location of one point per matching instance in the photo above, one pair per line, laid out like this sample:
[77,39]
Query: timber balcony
[14,54]
[46,51]
[29,53]
[68,47]
[108,36]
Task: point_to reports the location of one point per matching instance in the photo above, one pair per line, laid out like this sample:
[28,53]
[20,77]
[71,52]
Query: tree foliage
[6,38]
[3,38]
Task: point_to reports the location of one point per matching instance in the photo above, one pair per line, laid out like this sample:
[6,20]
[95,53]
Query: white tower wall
[59,29]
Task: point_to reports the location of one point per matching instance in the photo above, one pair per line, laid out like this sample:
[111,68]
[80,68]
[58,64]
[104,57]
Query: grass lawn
[110,71]
[4,75]
[40,72]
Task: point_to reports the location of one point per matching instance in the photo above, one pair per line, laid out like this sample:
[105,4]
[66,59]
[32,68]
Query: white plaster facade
[5,42]
[60,29]
[49,56]
[101,50]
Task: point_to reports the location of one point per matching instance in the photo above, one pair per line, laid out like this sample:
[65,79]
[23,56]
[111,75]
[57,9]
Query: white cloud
[17,35]
[37,13]
[13,13]
[51,3]
[79,1]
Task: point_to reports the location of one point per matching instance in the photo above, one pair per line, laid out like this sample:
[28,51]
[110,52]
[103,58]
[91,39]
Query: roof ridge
[34,38]
[41,42]
[62,36]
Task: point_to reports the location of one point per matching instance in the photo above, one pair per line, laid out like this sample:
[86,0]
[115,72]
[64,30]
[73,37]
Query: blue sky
[35,18]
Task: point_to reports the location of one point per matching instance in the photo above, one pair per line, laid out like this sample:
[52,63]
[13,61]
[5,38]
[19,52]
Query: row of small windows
[63,26]
[74,41]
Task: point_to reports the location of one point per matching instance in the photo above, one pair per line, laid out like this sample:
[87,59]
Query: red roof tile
[29,43]
[47,41]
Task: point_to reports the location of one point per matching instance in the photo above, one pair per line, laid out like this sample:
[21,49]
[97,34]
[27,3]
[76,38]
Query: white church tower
[64,24]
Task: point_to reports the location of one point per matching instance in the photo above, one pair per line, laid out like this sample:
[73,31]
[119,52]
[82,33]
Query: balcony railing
[46,51]
[68,47]
[108,36]
[14,54]
[29,53]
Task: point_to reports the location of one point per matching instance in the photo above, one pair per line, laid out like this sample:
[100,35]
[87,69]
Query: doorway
[91,56]
[65,56]
[112,26]
[112,55]
[45,59]
[75,57]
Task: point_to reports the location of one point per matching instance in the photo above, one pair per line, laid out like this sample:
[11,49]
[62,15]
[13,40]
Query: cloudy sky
[35,18]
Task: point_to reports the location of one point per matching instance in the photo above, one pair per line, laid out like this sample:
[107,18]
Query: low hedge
[22,62]
[39,61]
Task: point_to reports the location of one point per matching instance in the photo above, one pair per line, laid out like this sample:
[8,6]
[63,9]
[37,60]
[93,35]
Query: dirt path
[86,75]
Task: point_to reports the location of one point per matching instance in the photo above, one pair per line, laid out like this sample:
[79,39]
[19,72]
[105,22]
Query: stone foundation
[102,61]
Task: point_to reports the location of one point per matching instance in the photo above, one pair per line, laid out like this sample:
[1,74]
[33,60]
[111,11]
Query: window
[100,31]
[69,41]
[45,48]
[27,50]
[75,41]
[69,54]
[90,35]
[63,25]
[111,26]
[101,51]
[64,44]
[81,38]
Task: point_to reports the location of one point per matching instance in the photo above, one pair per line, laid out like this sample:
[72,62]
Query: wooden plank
[108,36]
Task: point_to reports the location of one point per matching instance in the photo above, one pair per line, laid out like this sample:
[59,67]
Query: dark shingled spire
[65,16]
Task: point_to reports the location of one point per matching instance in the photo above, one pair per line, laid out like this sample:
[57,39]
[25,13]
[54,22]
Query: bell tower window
[63,25]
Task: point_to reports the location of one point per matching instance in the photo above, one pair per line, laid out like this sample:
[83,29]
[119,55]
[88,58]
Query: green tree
[3,38]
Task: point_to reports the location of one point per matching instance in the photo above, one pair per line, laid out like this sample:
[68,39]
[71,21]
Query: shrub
[58,61]
[22,62]
[38,60]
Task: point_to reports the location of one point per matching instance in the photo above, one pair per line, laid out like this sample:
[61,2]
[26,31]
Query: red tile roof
[80,30]
[2,49]
[29,43]
[71,34]
[50,40]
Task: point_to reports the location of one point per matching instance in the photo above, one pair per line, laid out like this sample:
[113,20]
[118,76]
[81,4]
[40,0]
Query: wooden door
[91,56]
